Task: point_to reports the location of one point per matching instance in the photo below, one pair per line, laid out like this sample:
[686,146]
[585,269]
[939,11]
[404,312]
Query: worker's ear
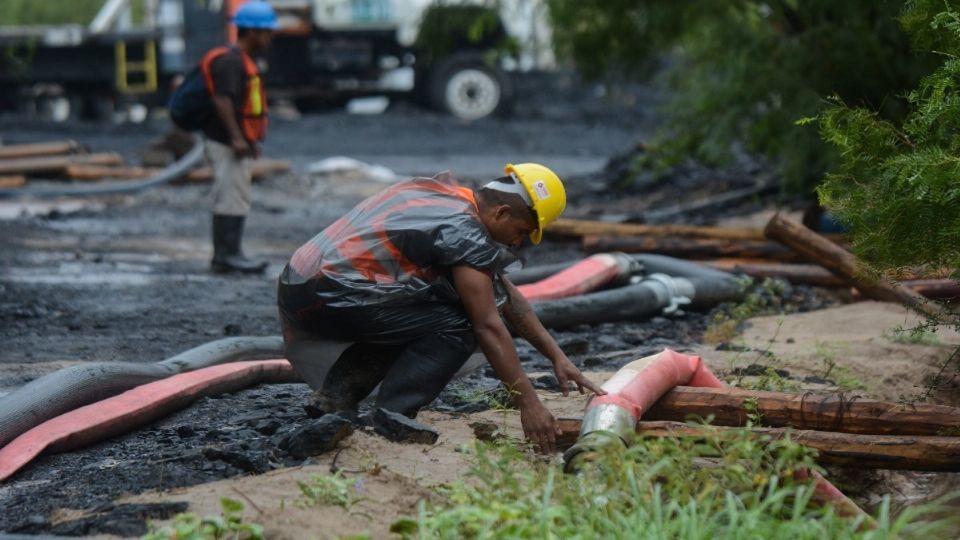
[503,211]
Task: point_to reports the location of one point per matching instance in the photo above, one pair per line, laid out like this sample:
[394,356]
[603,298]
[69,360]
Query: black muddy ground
[126,279]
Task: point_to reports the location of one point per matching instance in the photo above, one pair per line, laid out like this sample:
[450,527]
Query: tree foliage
[897,185]
[27,12]
[746,70]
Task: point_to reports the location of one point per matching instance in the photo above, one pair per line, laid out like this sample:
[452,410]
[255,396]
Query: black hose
[76,386]
[174,171]
[637,301]
[625,303]
[662,264]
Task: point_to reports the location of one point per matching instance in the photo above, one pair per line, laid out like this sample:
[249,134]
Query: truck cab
[455,56]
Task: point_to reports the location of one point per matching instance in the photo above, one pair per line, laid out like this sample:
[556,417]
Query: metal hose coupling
[604,424]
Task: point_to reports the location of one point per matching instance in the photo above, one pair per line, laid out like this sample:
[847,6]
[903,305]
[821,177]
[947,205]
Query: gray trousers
[232,179]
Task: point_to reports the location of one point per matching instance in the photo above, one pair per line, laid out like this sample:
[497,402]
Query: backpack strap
[207,62]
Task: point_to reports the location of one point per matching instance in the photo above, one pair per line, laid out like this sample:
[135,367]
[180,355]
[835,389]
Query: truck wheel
[468,88]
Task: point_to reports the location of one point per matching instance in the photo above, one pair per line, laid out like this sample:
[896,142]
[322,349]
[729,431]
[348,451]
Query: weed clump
[716,486]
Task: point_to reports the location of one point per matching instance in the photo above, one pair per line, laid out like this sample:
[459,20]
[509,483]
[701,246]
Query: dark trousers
[412,351]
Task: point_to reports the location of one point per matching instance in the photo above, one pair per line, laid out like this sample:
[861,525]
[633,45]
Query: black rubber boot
[227,254]
[356,373]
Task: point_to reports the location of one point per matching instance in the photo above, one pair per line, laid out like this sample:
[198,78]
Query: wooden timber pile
[784,249]
[845,430]
[71,160]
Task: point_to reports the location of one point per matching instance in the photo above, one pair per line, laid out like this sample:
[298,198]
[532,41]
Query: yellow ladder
[147,66]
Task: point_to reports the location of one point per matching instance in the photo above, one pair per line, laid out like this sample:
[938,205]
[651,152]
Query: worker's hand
[568,373]
[540,427]
[241,148]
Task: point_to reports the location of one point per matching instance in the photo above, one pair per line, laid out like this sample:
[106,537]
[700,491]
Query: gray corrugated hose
[76,386]
[174,171]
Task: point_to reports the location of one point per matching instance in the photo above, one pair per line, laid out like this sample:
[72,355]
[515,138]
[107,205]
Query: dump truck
[457,57]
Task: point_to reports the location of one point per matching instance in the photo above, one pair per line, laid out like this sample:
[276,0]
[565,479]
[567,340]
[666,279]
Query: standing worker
[233,133]
[414,278]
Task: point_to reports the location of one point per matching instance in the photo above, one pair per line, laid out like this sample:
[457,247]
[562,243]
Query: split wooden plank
[688,248]
[53,148]
[823,412]
[843,264]
[56,164]
[896,452]
[12,181]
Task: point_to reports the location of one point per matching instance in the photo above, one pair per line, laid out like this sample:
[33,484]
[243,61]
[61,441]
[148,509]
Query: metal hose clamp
[675,297]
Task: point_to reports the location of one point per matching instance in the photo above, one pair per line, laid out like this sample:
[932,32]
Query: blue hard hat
[256,14]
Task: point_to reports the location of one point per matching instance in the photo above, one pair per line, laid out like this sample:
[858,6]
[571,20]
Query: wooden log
[56,164]
[55,148]
[843,264]
[12,181]
[581,227]
[811,274]
[898,452]
[934,288]
[688,248]
[823,412]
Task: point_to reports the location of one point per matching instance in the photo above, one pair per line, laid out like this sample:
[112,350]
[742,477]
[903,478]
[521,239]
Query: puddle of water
[79,273]
[19,210]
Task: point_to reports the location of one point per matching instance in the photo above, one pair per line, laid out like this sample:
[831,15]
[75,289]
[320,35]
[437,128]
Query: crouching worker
[413,278]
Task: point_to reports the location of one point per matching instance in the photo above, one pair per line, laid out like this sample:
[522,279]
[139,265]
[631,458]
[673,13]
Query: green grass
[189,526]
[657,489]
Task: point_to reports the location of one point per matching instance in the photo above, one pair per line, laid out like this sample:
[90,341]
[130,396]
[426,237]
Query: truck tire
[469,88]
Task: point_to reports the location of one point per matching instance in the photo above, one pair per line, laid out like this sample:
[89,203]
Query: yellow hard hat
[545,190]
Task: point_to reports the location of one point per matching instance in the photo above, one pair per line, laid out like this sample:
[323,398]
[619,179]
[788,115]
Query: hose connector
[603,424]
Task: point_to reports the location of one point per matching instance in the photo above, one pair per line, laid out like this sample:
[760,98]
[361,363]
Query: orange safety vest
[357,247]
[253,120]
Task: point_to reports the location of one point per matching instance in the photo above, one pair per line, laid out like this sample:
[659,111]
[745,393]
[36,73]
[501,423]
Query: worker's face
[510,229]
[263,38]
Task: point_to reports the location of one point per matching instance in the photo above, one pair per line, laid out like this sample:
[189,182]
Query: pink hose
[639,384]
[585,276]
[136,407]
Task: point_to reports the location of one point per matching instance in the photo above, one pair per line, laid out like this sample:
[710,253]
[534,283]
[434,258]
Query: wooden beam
[56,165]
[824,412]
[815,248]
[101,172]
[688,248]
[259,169]
[54,148]
[582,227]
[844,449]
[12,181]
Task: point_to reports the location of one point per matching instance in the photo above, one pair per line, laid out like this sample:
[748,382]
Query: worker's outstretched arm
[476,291]
[525,322]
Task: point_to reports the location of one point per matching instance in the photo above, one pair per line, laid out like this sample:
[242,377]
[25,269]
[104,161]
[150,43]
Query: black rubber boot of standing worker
[227,252]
